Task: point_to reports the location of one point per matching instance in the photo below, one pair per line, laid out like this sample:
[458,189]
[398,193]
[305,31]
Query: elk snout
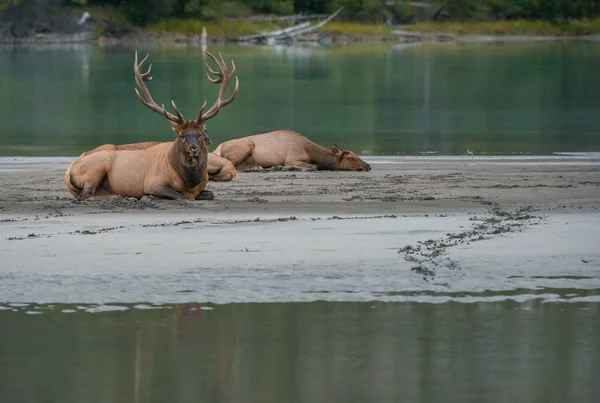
[194,149]
[368,167]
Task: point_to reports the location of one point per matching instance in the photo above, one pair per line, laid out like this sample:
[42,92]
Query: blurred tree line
[141,12]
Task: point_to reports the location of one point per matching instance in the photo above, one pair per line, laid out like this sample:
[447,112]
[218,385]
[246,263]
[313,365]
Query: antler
[147,98]
[224,79]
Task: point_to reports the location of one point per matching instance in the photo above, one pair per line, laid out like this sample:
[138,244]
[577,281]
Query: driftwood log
[300,32]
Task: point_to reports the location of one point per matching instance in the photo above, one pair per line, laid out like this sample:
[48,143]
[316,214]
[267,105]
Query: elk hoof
[206,195]
[85,196]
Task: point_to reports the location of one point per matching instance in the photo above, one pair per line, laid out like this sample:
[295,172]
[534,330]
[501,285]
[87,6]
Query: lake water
[313,352]
[377,100]
[373,99]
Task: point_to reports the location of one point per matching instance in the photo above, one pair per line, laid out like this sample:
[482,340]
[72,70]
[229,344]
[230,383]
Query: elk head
[348,161]
[191,134]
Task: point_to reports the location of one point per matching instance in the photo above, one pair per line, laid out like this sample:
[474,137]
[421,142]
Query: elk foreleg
[86,194]
[300,166]
[91,181]
[166,192]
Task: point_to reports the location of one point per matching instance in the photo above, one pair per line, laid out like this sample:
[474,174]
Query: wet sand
[417,228]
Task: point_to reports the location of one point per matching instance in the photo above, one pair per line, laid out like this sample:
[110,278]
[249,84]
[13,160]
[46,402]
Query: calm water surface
[381,100]
[312,352]
[375,99]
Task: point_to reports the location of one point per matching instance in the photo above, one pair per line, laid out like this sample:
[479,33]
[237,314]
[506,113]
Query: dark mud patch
[294,218]
[55,213]
[76,232]
[430,255]
[172,224]
[424,271]
[257,219]
[30,236]
[95,232]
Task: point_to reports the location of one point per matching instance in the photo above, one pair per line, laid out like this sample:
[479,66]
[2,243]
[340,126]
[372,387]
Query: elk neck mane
[324,159]
[189,170]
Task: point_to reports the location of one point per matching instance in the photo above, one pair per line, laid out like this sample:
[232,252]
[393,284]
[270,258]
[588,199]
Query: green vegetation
[240,28]
[142,12]
[358,29]
[511,27]
[225,18]
[215,28]
[368,17]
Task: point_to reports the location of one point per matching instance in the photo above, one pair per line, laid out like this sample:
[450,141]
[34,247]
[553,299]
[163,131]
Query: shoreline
[148,37]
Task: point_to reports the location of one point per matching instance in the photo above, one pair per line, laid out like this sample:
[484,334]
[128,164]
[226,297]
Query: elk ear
[336,150]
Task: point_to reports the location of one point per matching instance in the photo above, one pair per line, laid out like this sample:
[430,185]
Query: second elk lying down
[173,170]
[285,148]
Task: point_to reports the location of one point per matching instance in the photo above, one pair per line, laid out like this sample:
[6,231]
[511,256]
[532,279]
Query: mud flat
[429,229]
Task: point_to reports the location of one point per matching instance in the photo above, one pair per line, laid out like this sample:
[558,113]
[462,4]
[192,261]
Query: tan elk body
[219,169]
[171,170]
[289,149]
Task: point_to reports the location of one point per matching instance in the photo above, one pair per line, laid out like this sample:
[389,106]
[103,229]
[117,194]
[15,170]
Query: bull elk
[171,170]
[219,169]
[289,149]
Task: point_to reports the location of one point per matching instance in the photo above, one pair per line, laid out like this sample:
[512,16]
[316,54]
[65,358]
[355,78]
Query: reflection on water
[375,99]
[313,352]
